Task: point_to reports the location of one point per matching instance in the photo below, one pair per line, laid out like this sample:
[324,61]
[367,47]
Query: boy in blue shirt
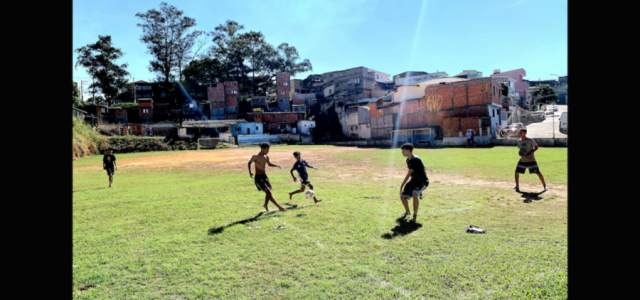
[301,166]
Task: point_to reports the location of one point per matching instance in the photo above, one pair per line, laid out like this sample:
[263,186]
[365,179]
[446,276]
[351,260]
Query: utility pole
[82,82]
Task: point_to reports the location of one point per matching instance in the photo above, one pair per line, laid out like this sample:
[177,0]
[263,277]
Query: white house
[304,126]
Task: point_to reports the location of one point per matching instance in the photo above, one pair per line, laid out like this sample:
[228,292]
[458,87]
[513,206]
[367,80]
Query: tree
[97,100]
[128,95]
[287,60]
[165,33]
[99,60]
[543,93]
[76,96]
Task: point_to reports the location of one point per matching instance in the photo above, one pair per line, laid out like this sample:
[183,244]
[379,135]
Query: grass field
[175,226]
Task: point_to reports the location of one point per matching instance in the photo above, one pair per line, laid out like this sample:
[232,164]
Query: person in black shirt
[418,183]
[108,163]
[301,166]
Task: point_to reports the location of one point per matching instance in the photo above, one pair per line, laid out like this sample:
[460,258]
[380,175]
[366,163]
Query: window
[231,84]
[138,88]
[285,83]
[357,80]
[256,127]
[146,87]
[103,110]
[281,100]
[282,93]
[494,112]
[329,91]
[280,75]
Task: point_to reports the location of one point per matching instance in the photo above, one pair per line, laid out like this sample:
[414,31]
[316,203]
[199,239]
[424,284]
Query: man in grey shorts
[526,148]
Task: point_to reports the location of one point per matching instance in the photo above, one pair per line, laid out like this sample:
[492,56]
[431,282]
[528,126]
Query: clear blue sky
[387,36]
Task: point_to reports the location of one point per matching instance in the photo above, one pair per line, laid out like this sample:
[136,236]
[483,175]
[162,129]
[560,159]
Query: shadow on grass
[404,227]
[528,197]
[216,230]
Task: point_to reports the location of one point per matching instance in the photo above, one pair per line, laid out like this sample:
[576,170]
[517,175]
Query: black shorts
[305,181]
[532,166]
[262,182]
[414,187]
[110,171]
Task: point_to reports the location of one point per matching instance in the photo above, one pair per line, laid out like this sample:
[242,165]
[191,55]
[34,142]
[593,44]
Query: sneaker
[474,229]
[420,196]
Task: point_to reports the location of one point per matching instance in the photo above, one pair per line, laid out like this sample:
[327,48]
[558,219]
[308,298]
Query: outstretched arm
[294,176]
[270,164]
[249,165]
[308,165]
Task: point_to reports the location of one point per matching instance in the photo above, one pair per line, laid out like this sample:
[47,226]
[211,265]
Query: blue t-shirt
[301,167]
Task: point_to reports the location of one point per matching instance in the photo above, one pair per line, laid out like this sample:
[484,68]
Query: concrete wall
[329,90]
[304,126]
[408,92]
[241,128]
[245,140]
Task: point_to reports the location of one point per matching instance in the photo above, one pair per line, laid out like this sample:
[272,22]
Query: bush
[87,140]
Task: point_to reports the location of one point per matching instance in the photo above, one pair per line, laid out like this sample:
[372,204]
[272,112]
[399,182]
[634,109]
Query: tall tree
[165,33]
[97,100]
[99,60]
[287,60]
[543,93]
[76,95]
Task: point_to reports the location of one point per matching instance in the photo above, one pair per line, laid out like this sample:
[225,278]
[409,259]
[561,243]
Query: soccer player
[301,166]
[527,160]
[261,180]
[418,183]
[108,163]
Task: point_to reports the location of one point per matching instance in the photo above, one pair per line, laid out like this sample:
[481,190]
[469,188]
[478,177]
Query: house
[355,121]
[161,112]
[356,83]
[469,74]
[120,116]
[145,108]
[223,101]
[79,113]
[509,97]
[303,103]
[521,87]
[305,127]
[414,77]
[446,110]
[276,122]
[246,128]
[283,91]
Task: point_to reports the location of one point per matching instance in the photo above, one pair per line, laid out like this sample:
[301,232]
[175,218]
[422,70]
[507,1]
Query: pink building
[521,87]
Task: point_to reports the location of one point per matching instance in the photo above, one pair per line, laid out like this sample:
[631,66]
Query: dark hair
[408,146]
[523,129]
[297,153]
[264,145]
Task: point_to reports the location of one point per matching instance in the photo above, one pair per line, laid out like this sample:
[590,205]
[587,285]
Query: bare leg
[295,192]
[270,197]
[517,181]
[416,203]
[110,180]
[266,201]
[542,179]
[405,203]
[315,200]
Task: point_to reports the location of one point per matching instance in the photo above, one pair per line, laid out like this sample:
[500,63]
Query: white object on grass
[309,194]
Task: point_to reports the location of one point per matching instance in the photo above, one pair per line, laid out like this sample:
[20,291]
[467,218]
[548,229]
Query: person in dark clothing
[301,166]
[108,163]
[418,183]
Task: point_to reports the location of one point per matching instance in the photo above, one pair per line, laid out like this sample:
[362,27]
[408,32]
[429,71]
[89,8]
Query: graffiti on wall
[434,103]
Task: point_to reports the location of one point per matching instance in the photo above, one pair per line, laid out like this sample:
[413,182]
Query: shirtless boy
[261,180]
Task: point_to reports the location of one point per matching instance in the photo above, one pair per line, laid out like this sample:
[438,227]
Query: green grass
[496,163]
[178,233]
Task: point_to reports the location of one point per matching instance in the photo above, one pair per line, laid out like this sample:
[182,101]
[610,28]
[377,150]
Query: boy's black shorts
[110,171]
[414,187]
[532,166]
[262,182]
